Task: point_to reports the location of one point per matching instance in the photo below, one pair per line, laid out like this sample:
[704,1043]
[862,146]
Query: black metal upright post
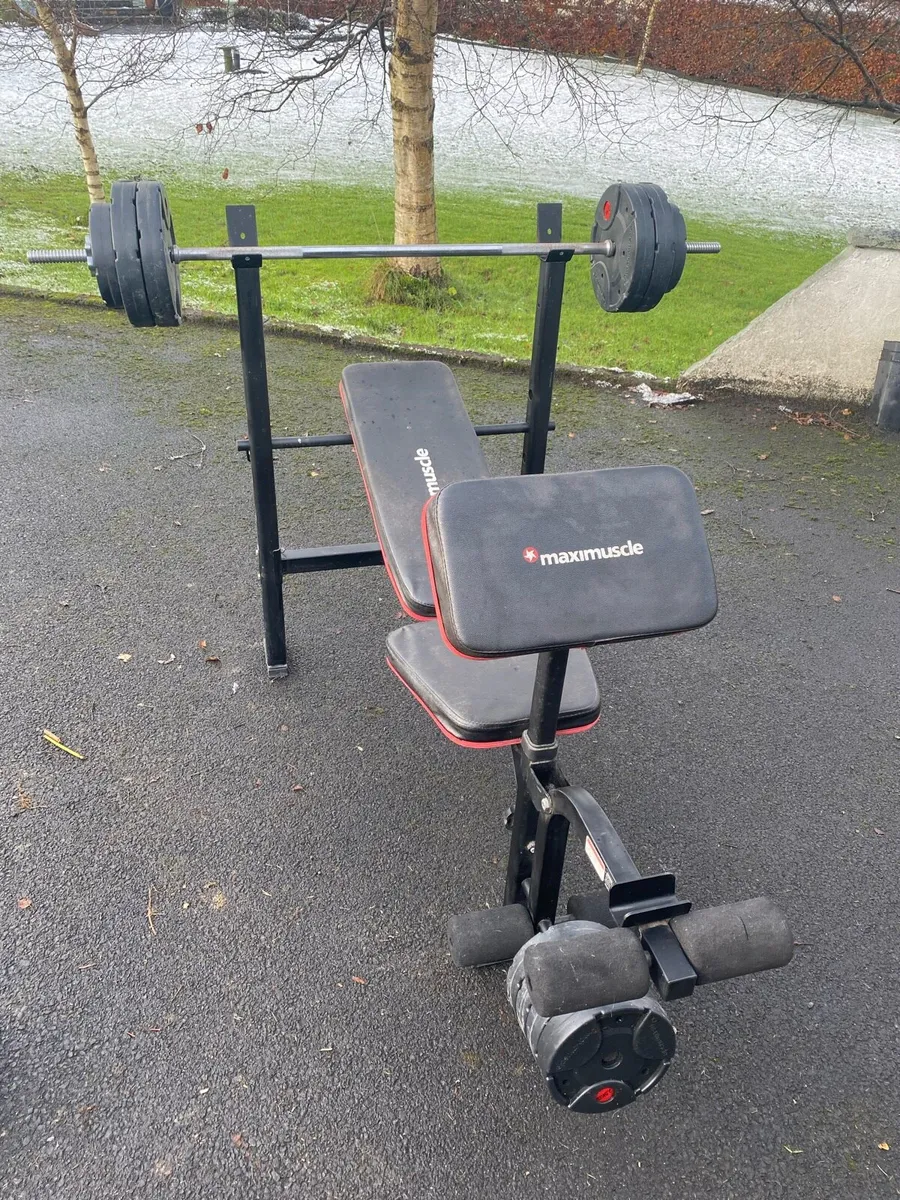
[241,219]
[546,340]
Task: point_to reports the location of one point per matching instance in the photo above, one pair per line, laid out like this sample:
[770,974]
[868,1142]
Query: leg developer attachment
[597,1059]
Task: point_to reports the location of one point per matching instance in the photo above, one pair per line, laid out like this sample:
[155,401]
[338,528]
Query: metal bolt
[57,256]
[530,847]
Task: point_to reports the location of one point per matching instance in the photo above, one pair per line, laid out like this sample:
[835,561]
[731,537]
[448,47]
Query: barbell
[637,250]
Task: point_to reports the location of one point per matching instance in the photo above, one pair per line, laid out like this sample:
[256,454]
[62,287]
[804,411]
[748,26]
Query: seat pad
[412,436]
[487,703]
[540,562]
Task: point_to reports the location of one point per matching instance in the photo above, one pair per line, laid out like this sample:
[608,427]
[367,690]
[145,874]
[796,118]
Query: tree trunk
[411,74]
[65,60]
[648,29]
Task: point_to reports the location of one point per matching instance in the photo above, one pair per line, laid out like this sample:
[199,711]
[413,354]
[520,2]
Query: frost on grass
[730,154]
[21,231]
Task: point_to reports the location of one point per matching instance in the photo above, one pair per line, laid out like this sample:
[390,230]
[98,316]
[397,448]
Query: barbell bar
[181,254]
[637,251]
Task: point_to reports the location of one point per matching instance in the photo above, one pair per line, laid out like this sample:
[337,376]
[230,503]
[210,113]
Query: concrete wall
[822,341]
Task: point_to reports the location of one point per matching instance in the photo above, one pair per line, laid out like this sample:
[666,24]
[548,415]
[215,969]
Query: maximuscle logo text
[423,458]
[532,555]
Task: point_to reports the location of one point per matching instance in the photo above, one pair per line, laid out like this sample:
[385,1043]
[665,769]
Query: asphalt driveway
[223,970]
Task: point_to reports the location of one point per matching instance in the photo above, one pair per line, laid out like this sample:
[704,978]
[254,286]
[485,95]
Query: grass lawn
[492,306]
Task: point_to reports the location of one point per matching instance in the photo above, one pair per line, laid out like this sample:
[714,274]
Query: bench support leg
[242,228]
[545,341]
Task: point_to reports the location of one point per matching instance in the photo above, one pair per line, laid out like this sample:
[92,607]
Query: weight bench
[520,573]
[412,436]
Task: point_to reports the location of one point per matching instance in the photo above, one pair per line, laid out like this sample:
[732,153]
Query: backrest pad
[536,562]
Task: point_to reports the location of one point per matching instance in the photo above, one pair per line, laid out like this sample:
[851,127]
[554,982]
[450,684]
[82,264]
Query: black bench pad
[484,704]
[412,435]
[536,562]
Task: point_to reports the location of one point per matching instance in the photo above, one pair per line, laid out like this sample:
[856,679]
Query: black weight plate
[103,256]
[625,217]
[606,275]
[643,238]
[680,246]
[678,243]
[664,257]
[156,234]
[128,254]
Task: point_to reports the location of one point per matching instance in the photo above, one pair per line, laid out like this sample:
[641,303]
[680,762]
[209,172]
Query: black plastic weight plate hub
[102,256]
[123,199]
[156,237]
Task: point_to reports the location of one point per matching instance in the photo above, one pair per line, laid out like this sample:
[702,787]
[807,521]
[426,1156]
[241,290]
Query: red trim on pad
[437,603]
[477,745]
[390,574]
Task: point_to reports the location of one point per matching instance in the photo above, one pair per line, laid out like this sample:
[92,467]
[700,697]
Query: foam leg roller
[582,965]
[735,939]
[490,935]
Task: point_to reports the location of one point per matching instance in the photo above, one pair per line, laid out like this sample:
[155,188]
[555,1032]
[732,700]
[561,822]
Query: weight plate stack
[156,237]
[128,254]
[102,256]
[671,245]
[598,1059]
[650,247]
[624,215]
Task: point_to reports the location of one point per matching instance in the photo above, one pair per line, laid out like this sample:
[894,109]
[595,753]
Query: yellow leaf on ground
[55,741]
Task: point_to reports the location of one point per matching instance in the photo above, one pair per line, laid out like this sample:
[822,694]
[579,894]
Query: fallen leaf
[882,1145]
[846,412]
[225,173]
[238,1139]
[762,457]
[164,662]
[355,978]
[836,599]
[791,1150]
[571,435]
[706,512]
[773,427]
[201,645]
[298,787]
[124,658]
[212,658]
[24,902]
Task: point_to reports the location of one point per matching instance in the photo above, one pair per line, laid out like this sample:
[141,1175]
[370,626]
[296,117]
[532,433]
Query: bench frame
[545,808]
[274,560]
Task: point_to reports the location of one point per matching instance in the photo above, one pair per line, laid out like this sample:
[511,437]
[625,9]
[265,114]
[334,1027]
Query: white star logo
[530,554]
